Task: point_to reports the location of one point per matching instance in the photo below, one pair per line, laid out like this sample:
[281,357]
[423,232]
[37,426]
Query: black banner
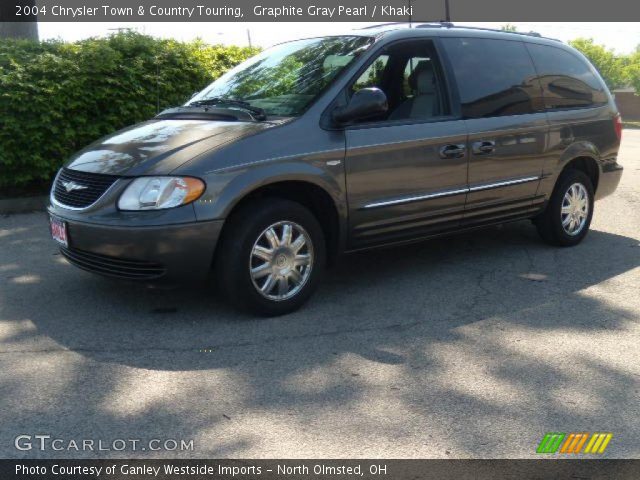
[320,469]
[316,10]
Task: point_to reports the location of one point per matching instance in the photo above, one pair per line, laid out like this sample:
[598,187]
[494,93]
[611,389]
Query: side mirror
[364,103]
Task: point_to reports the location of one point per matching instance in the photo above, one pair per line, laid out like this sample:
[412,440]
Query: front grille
[95,185]
[112,266]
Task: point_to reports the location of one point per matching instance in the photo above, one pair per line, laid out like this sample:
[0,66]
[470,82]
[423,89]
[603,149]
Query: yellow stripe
[567,442]
[582,440]
[591,442]
[607,439]
[598,442]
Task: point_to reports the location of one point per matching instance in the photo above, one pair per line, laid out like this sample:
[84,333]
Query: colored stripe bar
[542,448]
[568,444]
[550,442]
[581,443]
[605,442]
[573,442]
[558,437]
[594,437]
[598,442]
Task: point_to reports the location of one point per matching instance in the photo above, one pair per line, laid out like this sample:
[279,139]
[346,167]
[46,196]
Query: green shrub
[56,97]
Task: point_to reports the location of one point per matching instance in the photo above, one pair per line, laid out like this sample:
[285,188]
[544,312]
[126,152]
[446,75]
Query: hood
[159,146]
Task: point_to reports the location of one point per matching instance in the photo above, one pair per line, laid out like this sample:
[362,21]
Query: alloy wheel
[575,209]
[281,260]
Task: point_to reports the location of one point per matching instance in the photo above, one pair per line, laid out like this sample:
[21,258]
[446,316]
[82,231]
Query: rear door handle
[483,147]
[453,151]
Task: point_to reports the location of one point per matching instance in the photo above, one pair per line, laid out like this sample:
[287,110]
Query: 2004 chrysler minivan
[328,145]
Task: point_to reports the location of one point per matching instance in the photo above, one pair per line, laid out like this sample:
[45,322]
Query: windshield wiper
[257,112]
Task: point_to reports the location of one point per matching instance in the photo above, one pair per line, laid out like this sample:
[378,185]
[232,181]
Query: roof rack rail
[484,29]
[440,24]
[443,24]
[378,25]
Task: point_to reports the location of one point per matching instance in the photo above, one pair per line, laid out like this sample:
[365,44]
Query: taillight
[617,124]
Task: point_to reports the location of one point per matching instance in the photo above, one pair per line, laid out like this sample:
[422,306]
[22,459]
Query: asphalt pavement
[470,346]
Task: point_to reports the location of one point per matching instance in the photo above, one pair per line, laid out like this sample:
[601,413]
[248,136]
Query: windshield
[285,79]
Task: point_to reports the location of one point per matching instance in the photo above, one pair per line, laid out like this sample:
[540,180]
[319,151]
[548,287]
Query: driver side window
[411,77]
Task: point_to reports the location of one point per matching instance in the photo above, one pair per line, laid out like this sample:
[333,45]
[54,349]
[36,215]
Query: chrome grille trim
[97,185]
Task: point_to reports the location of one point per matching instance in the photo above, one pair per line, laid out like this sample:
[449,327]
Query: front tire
[566,220]
[271,257]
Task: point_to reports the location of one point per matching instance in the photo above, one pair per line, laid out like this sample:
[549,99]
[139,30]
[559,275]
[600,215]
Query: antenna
[447,13]
[410,14]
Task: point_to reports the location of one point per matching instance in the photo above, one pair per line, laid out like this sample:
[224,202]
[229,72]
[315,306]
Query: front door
[406,171]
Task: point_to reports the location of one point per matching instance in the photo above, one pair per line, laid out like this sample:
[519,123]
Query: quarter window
[494,77]
[567,81]
[372,76]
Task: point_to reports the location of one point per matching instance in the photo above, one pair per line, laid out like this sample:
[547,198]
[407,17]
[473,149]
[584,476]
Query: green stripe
[556,444]
[543,443]
[551,442]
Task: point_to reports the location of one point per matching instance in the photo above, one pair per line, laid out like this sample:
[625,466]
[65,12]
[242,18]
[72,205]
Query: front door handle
[453,151]
[483,147]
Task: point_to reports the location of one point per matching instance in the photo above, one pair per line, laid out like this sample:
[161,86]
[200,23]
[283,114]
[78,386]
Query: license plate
[59,231]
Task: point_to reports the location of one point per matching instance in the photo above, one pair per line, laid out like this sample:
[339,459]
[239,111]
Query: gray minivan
[328,145]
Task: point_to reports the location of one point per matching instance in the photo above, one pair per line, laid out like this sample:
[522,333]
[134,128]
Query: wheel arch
[323,198]
[583,156]
[586,164]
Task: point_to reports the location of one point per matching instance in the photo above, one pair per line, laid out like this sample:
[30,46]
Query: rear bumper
[172,253]
[609,179]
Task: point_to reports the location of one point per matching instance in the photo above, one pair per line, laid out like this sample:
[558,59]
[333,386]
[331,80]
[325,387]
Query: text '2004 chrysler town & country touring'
[328,145]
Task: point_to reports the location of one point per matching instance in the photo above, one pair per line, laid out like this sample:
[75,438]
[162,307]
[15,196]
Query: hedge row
[57,97]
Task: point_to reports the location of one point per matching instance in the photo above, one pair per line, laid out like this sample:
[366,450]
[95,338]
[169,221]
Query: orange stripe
[581,443]
[567,442]
[574,443]
[576,437]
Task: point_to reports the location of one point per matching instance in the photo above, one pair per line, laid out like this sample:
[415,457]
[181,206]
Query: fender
[552,169]
[227,187]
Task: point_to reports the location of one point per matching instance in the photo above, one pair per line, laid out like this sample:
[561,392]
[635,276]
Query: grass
[631,125]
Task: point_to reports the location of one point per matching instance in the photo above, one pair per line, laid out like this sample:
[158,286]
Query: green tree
[509,27]
[632,70]
[612,67]
[57,97]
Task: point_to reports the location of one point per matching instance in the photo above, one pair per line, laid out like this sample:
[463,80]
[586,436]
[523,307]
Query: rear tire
[566,219]
[271,257]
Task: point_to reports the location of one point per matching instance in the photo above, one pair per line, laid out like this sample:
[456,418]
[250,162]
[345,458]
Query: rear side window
[494,77]
[567,81]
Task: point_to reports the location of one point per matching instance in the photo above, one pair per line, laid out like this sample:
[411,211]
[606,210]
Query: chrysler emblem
[71,186]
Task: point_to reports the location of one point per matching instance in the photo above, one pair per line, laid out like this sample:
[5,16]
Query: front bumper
[171,253]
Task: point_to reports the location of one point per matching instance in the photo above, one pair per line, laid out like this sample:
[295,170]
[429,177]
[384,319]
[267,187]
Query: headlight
[155,193]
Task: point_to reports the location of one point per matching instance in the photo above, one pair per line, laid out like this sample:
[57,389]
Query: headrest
[422,79]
